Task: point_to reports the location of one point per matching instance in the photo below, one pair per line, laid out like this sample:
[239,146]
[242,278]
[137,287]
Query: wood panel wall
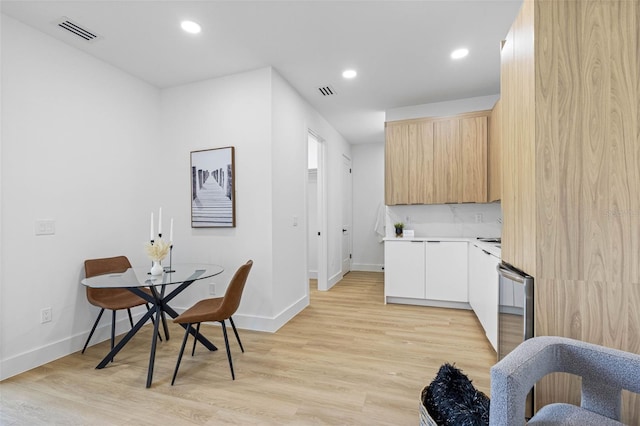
[518,136]
[587,174]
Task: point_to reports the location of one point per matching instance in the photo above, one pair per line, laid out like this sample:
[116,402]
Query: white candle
[160,222]
[171,233]
[151,229]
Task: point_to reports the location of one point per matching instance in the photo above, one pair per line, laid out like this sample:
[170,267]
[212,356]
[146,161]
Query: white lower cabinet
[483,290]
[404,269]
[426,270]
[446,275]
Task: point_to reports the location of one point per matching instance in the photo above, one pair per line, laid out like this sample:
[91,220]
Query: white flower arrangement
[158,250]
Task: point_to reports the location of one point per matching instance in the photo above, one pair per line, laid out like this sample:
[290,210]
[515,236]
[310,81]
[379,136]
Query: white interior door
[347,209]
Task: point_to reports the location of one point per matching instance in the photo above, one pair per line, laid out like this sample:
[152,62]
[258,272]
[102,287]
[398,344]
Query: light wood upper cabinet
[447,168]
[474,159]
[396,159]
[420,163]
[437,160]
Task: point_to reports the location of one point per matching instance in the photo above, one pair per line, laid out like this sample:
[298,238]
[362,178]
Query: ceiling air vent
[76,29]
[326,91]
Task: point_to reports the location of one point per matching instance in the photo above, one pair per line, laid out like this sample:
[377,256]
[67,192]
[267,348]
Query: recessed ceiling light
[190,27]
[459,53]
[349,73]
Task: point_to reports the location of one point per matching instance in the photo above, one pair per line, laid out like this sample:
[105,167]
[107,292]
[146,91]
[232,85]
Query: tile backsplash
[447,220]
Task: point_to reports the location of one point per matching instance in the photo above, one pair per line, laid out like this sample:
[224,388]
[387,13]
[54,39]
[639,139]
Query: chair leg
[226,342]
[130,317]
[113,329]
[184,343]
[236,333]
[195,339]
[95,324]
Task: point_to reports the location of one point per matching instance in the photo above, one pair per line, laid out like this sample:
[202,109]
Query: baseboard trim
[271,324]
[44,354]
[367,267]
[333,280]
[428,302]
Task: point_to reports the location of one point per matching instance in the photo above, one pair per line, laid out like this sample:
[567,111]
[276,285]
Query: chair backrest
[106,265]
[232,296]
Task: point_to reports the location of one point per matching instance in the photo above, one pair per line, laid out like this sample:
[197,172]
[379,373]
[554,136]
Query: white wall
[230,111]
[79,146]
[368,201]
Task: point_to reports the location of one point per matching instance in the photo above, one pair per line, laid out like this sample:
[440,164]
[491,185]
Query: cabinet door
[490,312]
[404,270]
[446,271]
[421,162]
[494,155]
[447,161]
[396,158]
[475,280]
[474,159]
[483,291]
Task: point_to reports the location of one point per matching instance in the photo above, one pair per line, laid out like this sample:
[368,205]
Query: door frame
[321,206]
[346,161]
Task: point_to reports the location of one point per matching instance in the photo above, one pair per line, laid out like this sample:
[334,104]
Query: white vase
[156,268]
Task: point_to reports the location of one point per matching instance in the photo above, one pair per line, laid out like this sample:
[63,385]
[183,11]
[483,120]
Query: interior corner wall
[230,111]
[368,206]
[79,145]
[293,117]
[96,150]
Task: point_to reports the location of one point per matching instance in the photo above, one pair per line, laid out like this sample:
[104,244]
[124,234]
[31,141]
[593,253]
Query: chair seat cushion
[204,310]
[115,298]
[568,414]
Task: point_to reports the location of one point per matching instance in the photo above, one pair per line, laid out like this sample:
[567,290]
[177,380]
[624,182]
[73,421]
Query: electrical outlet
[212,289]
[478,217]
[45,315]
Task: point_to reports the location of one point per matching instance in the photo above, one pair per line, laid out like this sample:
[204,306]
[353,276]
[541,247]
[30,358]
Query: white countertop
[491,248]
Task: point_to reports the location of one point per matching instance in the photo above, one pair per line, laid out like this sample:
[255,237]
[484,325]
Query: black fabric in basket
[451,399]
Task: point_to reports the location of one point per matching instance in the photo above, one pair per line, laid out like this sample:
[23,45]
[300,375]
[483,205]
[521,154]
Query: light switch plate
[45,227]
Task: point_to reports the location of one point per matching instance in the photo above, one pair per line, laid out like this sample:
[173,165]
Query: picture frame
[213,176]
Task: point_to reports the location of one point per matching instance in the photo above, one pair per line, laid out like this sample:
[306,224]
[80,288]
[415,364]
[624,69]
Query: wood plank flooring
[347,359]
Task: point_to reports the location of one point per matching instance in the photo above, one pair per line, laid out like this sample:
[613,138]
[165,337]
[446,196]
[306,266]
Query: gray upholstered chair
[604,371]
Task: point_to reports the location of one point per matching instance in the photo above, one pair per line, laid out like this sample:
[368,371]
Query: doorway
[316,211]
[347,213]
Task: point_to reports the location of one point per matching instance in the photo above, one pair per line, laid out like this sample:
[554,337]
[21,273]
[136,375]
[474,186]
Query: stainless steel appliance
[515,313]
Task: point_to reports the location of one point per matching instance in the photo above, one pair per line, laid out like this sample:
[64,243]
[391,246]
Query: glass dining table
[163,288]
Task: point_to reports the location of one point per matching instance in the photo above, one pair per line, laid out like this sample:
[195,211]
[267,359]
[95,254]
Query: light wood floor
[347,359]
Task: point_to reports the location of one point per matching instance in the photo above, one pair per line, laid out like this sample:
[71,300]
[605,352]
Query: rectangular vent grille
[74,28]
[326,91]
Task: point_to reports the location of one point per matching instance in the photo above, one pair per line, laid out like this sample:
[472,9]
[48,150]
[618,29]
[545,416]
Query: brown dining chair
[114,299]
[217,309]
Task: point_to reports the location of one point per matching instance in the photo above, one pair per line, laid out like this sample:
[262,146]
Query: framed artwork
[213,201]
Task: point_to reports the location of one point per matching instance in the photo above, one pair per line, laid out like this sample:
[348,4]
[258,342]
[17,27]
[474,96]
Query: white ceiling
[399,48]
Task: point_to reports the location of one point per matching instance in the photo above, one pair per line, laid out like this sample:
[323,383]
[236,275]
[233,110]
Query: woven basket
[425,418]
